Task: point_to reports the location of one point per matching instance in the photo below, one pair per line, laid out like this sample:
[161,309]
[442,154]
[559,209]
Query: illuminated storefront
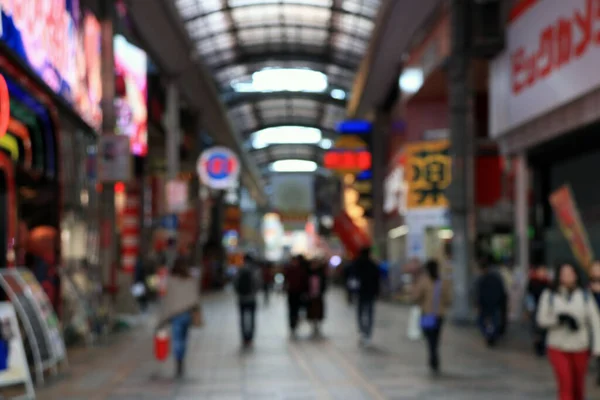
[50,62]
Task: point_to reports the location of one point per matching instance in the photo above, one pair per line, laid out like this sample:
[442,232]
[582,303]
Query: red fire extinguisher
[161,345]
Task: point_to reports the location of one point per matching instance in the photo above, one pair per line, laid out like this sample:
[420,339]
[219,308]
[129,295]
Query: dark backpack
[245,282]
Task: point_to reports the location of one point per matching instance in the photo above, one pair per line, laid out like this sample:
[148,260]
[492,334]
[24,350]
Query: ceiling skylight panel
[187,8]
[254,16]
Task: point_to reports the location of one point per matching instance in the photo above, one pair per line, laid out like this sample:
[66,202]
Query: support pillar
[173,136]
[106,216]
[521,214]
[461,193]
[379,169]
[172,146]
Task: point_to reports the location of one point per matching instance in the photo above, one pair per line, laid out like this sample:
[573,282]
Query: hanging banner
[428,174]
[114,160]
[353,238]
[569,219]
[293,195]
[177,195]
[219,168]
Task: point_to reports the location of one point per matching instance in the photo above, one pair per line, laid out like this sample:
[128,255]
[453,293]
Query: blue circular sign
[219,168]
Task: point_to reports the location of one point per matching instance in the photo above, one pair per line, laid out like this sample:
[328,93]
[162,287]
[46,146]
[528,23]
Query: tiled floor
[332,368]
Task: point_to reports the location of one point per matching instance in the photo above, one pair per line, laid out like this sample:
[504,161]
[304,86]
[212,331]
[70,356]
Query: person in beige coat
[180,302]
[433,295]
[570,314]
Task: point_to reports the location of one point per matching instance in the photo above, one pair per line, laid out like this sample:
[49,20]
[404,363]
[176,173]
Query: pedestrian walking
[570,314]
[595,289]
[539,281]
[317,286]
[491,301]
[180,308]
[433,295]
[247,286]
[296,286]
[367,274]
[267,281]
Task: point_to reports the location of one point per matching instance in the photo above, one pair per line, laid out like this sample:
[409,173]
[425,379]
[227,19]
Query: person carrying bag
[432,295]
[181,309]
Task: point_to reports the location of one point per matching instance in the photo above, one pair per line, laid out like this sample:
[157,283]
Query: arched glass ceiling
[249,118]
[237,38]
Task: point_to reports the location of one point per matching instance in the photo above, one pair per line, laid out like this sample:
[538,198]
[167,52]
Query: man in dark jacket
[491,298]
[367,274]
[247,285]
[296,285]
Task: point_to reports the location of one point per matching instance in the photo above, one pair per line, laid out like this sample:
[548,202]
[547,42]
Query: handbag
[161,345]
[413,330]
[431,321]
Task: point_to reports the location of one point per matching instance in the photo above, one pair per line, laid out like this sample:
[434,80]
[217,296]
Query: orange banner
[570,223]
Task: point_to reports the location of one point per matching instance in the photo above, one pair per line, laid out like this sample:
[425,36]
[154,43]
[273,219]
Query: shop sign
[428,174]
[62,45]
[395,189]
[177,196]
[131,100]
[568,217]
[551,59]
[114,159]
[347,161]
[219,168]
[350,155]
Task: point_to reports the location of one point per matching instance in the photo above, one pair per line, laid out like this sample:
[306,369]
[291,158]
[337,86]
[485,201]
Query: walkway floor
[332,368]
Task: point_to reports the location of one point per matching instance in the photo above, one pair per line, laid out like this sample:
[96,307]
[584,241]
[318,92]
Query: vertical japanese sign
[428,173]
[569,219]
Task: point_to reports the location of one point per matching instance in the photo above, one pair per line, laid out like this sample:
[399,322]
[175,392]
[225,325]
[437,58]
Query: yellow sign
[428,173]
[350,142]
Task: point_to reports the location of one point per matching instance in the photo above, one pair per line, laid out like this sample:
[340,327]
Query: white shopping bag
[414,324]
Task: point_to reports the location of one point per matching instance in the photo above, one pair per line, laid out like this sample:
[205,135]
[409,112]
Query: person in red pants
[571,316]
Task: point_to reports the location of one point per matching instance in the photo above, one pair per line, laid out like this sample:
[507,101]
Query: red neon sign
[347,160]
[4,106]
[560,43]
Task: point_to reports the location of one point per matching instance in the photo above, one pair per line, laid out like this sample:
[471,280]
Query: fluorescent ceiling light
[284,80]
[338,94]
[411,80]
[293,166]
[326,144]
[287,134]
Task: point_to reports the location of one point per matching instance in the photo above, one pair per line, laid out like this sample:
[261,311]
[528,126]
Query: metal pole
[107,197]
[462,149]
[378,168]
[522,213]
[172,145]
[173,136]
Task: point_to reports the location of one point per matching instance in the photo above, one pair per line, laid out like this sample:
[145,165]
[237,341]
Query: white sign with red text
[552,58]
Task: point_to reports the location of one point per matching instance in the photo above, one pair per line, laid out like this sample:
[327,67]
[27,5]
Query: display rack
[38,319]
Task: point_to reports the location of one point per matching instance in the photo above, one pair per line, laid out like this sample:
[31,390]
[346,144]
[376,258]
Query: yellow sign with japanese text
[428,173]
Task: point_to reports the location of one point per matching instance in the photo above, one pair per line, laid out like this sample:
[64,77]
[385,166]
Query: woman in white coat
[569,313]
